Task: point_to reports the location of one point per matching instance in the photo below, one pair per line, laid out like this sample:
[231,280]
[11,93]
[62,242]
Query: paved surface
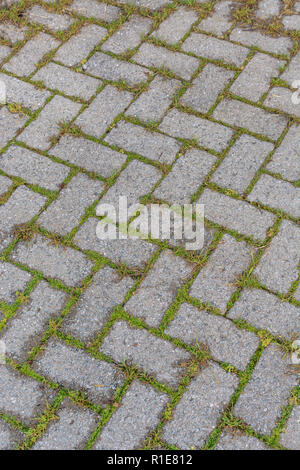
[144,344]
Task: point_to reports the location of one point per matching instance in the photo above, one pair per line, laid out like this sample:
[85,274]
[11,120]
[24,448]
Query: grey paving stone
[219,22]
[22,397]
[297,293]
[129,35]
[285,159]
[109,68]
[53,261]
[24,62]
[255,79]
[10,124]
[292,71]
[240,114]
[159,288]
[215,282]
[52,21]
[13,280]
[265,311]
[4,52]
[75,369]
[176,25]
[186,126]
[33,168]
[151,4]
[281,98]
[268,8]
[78,47]
[136,139]
[5,184]
[9,437]
[278,266]
[215,49]
[242,162]
[66,211]
[133,253]
[235,214]
[89,155]
[39,132]
[181,183]
[135,181]
[72,429]
[226,343]
[21,207]
[290,437]
[11,32]
[96,304]
[278,194]
[24,93]
[94,9]
[238,441]
[278,45]
[200,408]
[297,7]
[260,404]
[206,87]
[96,119]
[153,355]
[137,416]
[291,22]
[152,104]
[25,329]
[155,56]
[57,77]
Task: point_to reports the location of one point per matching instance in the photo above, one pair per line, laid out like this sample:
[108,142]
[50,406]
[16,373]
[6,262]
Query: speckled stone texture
[118,342]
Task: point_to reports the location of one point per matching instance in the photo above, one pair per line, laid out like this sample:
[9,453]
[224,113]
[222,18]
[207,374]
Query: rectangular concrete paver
[155,56]
[90,314]
[257,120]
[102,331]
[200,408]
[267,391]
[52,260]
[70,431]
[190,127]
[214,284]
[89,155]
[147,352]
[159,288]
[78,47]
[267,312]
[138,140]
[96,119]
[25,330]
[24,62]
[61,216]
[137,416]
[40,132]
[278,267]
[76,370]
[236,214]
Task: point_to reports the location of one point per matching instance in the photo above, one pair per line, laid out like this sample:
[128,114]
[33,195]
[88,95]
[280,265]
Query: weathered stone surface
[267,391]
[225,342]
[153,355]
[137,416]
[290,437]
[159,288]
[215,285]
[266,312]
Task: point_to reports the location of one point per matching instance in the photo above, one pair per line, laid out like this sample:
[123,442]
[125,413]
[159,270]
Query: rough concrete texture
[125,342]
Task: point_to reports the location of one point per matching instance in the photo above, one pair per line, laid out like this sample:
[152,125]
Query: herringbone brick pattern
[143,344]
